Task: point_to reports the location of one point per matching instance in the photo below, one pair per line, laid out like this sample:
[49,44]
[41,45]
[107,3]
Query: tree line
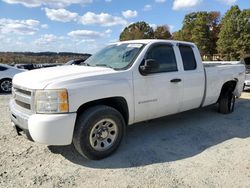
[228,37]
[39,57]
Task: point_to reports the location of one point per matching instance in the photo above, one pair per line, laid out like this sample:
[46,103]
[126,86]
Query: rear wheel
[227,103]
[5,85]
[98,132]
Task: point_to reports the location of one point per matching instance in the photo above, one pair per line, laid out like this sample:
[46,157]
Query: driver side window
[165,56]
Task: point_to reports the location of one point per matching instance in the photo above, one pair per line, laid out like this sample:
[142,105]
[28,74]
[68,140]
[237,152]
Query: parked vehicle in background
[24,66]
[6,74]
[125,83]
[75,61]
[35,66]
[46,65]
[247,80]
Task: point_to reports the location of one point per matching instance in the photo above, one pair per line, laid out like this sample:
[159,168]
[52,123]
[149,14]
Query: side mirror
[150,66]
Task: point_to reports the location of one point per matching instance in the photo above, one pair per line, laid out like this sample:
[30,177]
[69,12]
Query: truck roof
[147,41]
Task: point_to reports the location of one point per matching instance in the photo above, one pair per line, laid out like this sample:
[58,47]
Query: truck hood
[40,78]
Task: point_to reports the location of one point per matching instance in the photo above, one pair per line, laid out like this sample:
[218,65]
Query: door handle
[175,80]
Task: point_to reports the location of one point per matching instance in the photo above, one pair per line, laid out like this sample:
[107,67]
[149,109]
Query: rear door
[193,77]
[159,93]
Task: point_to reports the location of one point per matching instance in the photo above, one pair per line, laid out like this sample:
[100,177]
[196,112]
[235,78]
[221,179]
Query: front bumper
[49,129]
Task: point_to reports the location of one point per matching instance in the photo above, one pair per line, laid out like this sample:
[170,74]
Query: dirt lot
[199,148]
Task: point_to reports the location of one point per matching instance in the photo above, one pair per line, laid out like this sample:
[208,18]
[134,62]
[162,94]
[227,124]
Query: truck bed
[218,73]
[219,63]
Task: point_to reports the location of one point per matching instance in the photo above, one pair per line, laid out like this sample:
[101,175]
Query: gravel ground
[199,148]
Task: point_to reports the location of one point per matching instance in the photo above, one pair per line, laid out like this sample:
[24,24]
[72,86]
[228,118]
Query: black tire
[5,85]
[87,122]
[227,103]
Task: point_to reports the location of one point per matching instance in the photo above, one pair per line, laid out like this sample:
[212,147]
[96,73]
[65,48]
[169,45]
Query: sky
[85,26]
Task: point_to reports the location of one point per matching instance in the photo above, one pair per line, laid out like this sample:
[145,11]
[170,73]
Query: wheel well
[119,103]
[228,86]
[5,79]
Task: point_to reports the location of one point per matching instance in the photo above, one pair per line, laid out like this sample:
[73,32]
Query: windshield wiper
[104,65]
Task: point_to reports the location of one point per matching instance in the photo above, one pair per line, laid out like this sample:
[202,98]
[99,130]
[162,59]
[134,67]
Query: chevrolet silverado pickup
[90,105]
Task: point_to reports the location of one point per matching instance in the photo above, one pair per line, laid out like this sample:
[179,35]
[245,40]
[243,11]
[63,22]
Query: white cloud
[112,41]
[44,26]
[2,37]
[51,3]
[10,43]
[27,3]
[85,34]
[160,1]
[48,42]
[89,18]
[84,41]
[228,2]
[22,27]
[154,26]
[108,31]
[184,4]
[103,19]
[61,15]
[171,28]
[47,39]
[147,7]
[129,14]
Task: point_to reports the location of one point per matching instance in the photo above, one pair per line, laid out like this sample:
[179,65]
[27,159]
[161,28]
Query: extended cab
[124,83]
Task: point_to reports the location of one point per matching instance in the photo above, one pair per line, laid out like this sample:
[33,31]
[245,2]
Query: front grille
[24,105]
[23,98]
[23,91]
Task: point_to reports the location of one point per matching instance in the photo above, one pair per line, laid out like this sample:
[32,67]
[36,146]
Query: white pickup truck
[127,82]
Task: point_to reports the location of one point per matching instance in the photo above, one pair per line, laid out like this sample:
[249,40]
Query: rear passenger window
[165,56]
[188,58]
[3,68]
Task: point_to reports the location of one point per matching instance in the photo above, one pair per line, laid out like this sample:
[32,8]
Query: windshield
[116,56]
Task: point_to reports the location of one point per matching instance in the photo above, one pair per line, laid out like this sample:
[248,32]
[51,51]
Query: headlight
[51,101]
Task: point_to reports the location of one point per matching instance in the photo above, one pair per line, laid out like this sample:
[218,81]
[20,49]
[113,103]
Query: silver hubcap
[6,85]
[103,134]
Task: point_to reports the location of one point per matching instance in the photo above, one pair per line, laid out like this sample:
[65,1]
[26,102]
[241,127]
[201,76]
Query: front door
[158,94]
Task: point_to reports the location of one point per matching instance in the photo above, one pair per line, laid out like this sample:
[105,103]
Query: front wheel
[5,85]
[98,132]
[227,103]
